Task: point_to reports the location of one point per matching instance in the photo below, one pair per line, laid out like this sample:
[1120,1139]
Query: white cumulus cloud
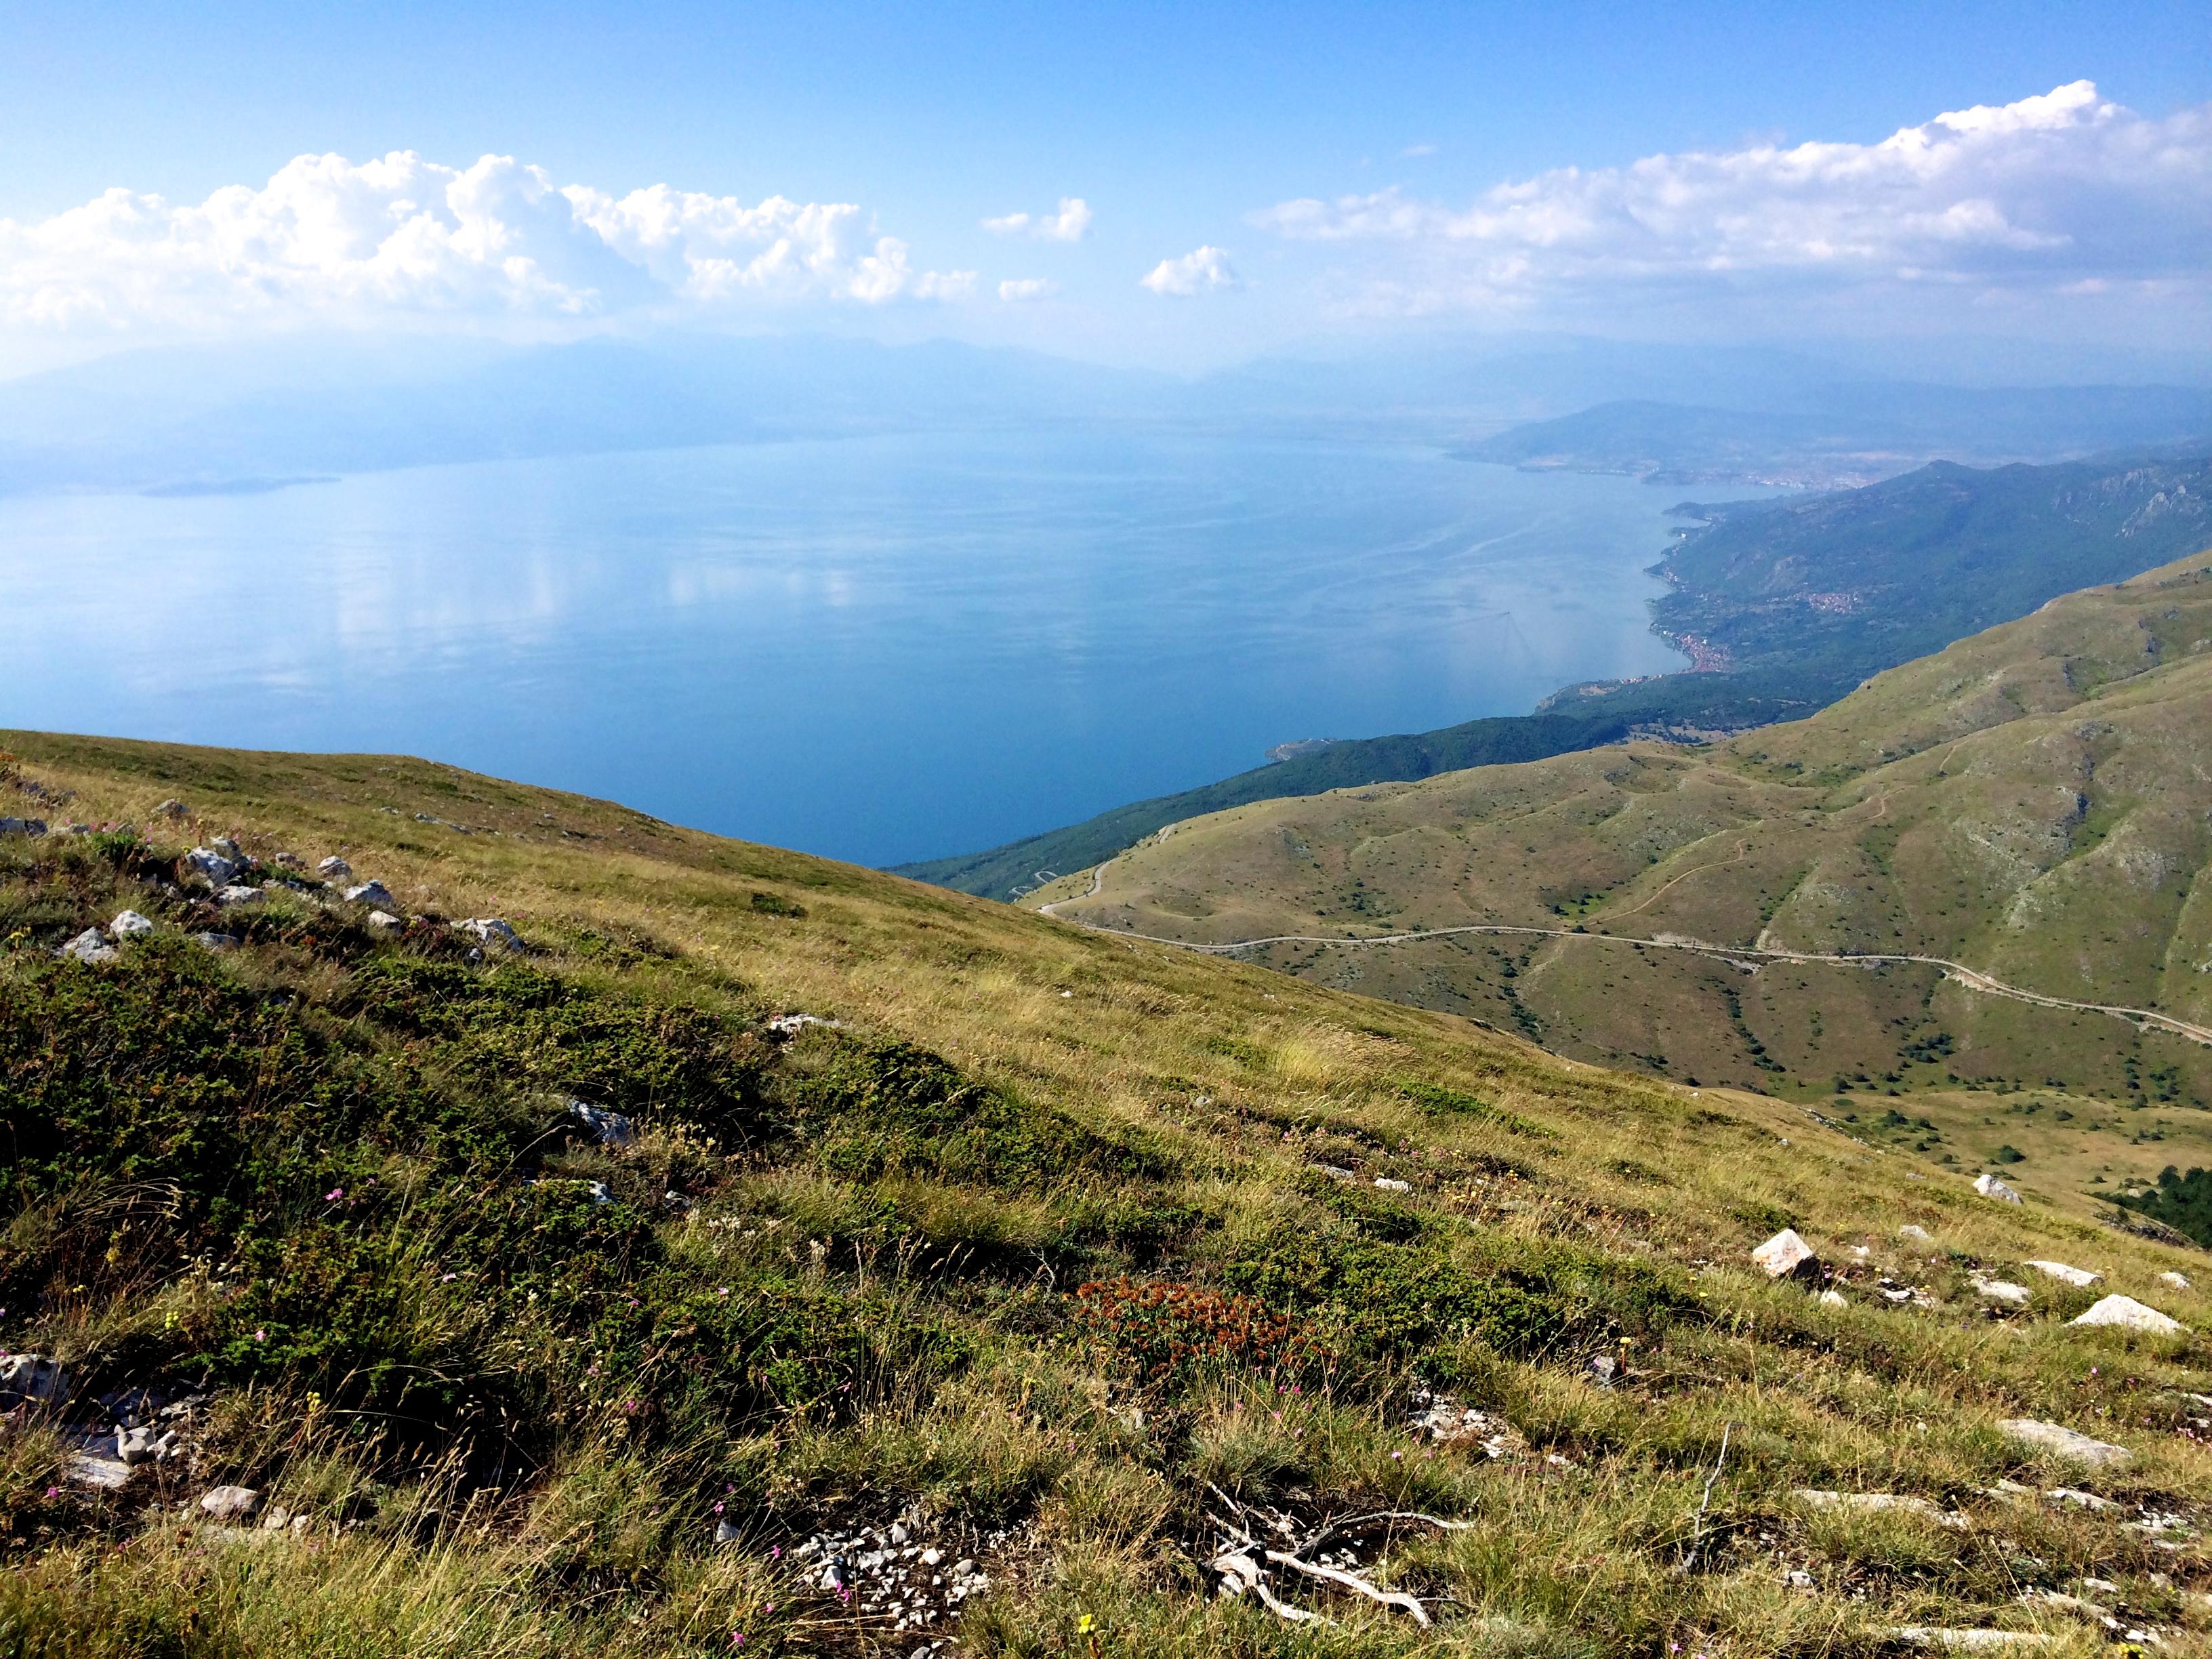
[330,238]
[2051,191]
[1068,225]
[1202,270]
[1028,288]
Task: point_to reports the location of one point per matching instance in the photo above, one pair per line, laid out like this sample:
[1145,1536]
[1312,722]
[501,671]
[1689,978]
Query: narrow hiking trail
[1973,979]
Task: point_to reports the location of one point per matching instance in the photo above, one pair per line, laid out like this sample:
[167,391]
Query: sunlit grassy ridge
[2033,803]
[840,1276]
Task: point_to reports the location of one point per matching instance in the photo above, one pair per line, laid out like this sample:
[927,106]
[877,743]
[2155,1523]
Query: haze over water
[879,648]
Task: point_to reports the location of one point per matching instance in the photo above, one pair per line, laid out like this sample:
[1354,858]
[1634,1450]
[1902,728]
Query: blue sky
[1283,175]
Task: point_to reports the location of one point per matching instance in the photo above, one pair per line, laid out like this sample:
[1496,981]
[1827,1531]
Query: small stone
[1785,1256]
[2080,1276]
[208,862]
[790,1026]
[135,1446]
[1389,1185]
[373,893]
[2125,1313]
[33,1379]
[383,921]
[235,895]
[1798,1579]
[91,946]
[215,941]
[2003,1289]
[172,808]
[289,861]
[229,848]
[277,1519]
[2063,1442]
[230,1503]
[1605,1371]
[2178,1281]
[300,1523]
[23,827]
[727,1532]
[599,1192]
[1915,1235]
[129,924]
[1832,1298]
[334,868]
[490,930]
[1873,1503]
[932,1557]
[1989,1186]
[611,1128]
[2082,1500]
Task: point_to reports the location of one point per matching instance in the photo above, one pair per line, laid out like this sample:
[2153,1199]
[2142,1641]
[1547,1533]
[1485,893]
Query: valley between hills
[2031,804]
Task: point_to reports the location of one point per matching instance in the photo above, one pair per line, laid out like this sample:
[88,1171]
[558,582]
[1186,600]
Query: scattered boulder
[33,1379]
[229,848]
[2076,1276]
[2126,1314]
[1442,1419]
[1832,1298]
[374,893]
[2002,1290]
[2178,1281]
[491,930]
[217,869]
[215,941]
[790,1026]
[230,1503]
[2062,1442]
[334,868]
[129,924]
[1989,1186]
[1389,1185]
[144,1443]
[1604,1370]
[235,895]
[1785,1256]
[90,947]
[1913,1234]
[728,1532]
[32,827]
[611,1128]
[1965,1641]
[171,808]
[384,921]
[289,861]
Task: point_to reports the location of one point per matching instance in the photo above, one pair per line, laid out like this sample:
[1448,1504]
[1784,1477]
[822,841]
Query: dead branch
[1352,1523]
[1353,1581]
[1243,1574]
[1697,1522]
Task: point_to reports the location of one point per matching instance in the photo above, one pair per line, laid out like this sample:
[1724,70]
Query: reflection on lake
[876,648]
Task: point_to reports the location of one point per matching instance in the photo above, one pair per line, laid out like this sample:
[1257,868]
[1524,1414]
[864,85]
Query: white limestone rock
[611,1128]
[492,930]
[2081,1277]
[232,897]
[230,1503]
[374,894]
[1989,1186]
[129,924]
[2004,1291]
[2178,1281]
[334,868]
[33,1379]
[384,921]
[1912,1233]
[2126,1314]
[90,947]
[217,869]
[2062,1442]
[1785,1256]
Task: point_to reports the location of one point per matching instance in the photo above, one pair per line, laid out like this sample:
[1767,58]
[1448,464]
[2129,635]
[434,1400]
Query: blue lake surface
[876,648]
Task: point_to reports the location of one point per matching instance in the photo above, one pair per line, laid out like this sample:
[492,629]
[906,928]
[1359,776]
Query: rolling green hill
[1792,602]
[1018,1305]
[2032,804]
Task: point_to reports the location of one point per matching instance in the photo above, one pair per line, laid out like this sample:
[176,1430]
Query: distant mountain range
[1851,434]
[318,406]
[1790,603]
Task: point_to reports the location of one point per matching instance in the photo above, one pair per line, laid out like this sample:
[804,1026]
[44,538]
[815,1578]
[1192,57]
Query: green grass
[1036,1239]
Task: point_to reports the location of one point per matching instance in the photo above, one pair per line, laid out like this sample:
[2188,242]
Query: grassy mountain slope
[1797,601]
[2033,803]
[1058,1249]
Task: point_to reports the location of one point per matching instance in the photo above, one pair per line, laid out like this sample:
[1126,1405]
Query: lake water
[879,648]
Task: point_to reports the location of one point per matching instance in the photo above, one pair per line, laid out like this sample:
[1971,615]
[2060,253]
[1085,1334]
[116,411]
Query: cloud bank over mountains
[328,239]
[2066,192]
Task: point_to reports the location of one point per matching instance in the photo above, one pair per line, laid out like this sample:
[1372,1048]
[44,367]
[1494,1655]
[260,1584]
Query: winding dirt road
[1972,978]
